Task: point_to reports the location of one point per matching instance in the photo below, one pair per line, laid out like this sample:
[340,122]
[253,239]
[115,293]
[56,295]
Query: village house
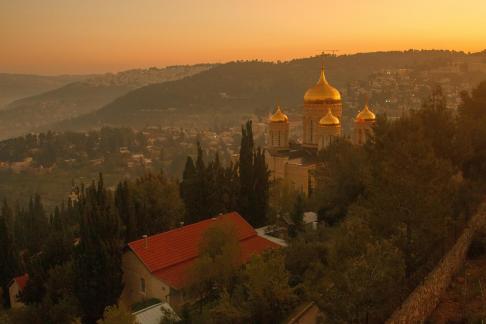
[157,266]
[16,286]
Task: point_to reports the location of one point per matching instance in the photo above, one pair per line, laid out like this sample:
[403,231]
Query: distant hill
[240,88]
[82,97]
[17,86]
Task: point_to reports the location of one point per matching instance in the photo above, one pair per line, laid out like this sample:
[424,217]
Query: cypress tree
[246,171]
[8,264]
[97,260]
[254,180]
[215,178]
[201,188]
[189,191]
[259,197]
[124,206]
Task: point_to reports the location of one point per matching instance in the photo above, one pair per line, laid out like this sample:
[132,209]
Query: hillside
[82,97]
[17,86]
[233,90]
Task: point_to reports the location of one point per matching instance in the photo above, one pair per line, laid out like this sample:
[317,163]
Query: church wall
[276,165]
[299,176]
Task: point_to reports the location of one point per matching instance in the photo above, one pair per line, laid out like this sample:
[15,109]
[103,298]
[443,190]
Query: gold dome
[329,119]
[366,114]
[322,92]
[279,116]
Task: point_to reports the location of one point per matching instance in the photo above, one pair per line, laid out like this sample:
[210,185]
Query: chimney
[145,241]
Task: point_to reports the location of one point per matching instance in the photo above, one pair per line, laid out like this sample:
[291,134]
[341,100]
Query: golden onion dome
[279,116]
[366,114]
[329,120]
[322,92]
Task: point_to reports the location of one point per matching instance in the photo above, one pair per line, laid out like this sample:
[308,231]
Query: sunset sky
[92,36]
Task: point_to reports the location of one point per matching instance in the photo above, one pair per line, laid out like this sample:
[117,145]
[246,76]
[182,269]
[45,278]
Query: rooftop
[170,254]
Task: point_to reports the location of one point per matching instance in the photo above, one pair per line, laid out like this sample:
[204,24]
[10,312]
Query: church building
[322,117]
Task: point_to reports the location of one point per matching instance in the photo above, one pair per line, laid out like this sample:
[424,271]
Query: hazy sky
[84,36]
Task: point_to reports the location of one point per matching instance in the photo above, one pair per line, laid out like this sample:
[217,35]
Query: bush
[478,246]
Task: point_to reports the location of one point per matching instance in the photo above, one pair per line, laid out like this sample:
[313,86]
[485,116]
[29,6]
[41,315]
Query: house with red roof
[16,286]
[158,266]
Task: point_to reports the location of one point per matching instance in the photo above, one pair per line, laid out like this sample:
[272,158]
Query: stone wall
[425,298]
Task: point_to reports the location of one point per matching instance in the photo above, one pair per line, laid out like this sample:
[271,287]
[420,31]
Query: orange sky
[86,36]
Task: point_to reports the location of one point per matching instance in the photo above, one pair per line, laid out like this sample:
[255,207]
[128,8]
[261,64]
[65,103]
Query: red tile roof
[21,281]
[169,255]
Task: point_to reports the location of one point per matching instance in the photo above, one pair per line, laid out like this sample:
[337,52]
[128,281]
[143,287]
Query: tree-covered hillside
[17,86]
[82,97]
[240,88]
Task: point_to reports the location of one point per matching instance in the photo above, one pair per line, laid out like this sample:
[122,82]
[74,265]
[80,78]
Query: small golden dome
[279,116]
[366,114]
[329,119]
[322,92]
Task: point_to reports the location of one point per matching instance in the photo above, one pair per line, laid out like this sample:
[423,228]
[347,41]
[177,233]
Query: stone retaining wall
[425,298]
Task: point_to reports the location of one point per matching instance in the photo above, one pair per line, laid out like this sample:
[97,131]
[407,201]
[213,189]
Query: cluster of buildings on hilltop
[321,126]
[395,91]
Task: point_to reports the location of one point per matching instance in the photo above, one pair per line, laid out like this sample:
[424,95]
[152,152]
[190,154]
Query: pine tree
[97,261]
[8,264]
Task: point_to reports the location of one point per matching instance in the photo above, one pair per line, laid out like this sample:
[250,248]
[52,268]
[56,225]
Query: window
[142,285]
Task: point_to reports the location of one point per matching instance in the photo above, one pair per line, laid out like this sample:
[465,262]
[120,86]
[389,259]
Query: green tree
[297,216]
[9,265]
[363,288]
[189,191]
[254,180]
[246,171]
[202,186]
[471,121]
[226,311]
[219,256]
[58,304]
[261,187]
[270,297]
[339,179]
[216,186]
[157,205]
[407,178]
[282,197]
[97,258]
[117,315]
